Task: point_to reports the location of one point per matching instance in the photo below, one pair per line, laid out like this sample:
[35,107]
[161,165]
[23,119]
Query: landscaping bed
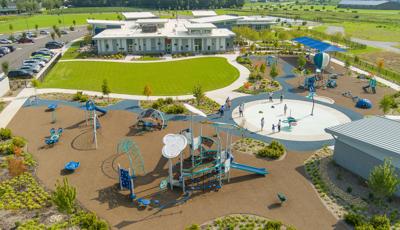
[100,101]
[170,106]
[273,151]
[345,194]
[24,202]
[242,221]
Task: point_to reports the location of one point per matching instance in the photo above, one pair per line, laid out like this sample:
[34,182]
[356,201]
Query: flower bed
[171,106]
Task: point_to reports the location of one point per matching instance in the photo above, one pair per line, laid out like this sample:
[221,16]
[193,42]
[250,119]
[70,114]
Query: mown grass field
[20,23]
[164,78]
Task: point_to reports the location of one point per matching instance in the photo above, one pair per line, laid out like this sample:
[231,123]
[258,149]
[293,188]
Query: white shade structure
[174,144]
[194,110]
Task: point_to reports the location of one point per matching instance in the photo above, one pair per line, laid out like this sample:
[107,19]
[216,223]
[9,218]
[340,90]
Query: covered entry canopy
[319,45]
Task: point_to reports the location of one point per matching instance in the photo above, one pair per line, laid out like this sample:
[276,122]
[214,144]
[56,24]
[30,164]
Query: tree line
[161,4]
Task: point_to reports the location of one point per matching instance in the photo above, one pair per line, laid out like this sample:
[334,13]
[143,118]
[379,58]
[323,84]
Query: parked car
[12,48]
[31,34]
[41,58]
[45,57]
[30,61]
[42,52]
[25,40]
[33,66]
[5,50]
[44,32]
[20,74]
[5,41]
[64,32]
[29,69]
[53,45]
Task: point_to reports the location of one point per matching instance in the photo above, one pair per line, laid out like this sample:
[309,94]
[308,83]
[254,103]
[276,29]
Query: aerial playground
[206,167]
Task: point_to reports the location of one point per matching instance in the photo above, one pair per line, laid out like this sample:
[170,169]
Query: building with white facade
[164,36]
[203,13]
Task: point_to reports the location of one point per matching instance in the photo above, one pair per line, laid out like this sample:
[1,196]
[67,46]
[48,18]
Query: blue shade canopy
[321,46]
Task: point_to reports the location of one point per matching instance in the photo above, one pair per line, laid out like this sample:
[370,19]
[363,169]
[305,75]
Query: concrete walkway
[9,112]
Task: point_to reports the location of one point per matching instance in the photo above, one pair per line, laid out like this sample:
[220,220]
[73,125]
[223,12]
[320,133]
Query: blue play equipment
[90,106]
[151,119]
[143,203]
[331,83]
[126,181]
[247,168]
[309,82]
[54,136]
[364,103]
[52,107]
[71,166]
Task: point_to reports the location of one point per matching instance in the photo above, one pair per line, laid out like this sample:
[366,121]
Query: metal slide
[247,168]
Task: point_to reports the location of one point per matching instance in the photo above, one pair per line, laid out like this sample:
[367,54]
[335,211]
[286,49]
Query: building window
[208,47]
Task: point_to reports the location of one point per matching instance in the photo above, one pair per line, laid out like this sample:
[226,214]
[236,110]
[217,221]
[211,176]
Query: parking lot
[24,51]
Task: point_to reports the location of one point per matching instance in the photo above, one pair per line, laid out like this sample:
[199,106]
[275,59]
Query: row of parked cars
[33,65]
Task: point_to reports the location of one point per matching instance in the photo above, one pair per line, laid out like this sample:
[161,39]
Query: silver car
[33,67]
[33,61]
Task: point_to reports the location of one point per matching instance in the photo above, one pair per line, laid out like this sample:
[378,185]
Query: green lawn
[165,78]
[20,23]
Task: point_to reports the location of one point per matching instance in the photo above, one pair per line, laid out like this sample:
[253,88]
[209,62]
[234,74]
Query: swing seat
[71,166]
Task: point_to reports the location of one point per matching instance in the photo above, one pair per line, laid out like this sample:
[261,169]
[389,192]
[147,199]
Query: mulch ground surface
[97,182]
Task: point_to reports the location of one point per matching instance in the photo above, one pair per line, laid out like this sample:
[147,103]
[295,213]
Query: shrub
[380,222]
[354,219]
[273,150]
[16,167]
[5,134]
[364,227]
[193,227]
[273,225]
[174,109]
[79,96]
[88,220]
[19,142]
[64,196]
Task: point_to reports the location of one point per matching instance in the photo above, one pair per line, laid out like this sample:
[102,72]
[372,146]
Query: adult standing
[279,125]
[262,123]
[285,109]
[281,97]
[270,96]
[240,111]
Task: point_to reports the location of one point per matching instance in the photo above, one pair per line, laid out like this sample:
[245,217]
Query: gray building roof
[381,132]
[362,3]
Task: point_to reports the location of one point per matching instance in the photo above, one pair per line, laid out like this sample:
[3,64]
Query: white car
[36,68]
[5,41]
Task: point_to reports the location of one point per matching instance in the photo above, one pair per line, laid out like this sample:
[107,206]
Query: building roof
[172,29]
[319,45]
[105,22]
[215,19]
[203,13]
[138,15]
[362,3]
[246,20]
[152,21]
[200,26]
[381,132]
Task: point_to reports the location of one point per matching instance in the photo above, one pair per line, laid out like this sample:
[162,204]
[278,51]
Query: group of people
[277,126]
[226,106]
[271,94]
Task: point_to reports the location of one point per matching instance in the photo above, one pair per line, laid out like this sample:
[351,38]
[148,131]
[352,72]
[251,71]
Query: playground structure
[54,136]
[361,103]
[371,84]
[151,119]
[209,162]
[91,115]
[136,165]
[72,166]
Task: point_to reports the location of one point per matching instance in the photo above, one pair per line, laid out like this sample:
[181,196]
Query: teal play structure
[136,165]
[91,115]
[54,136]
[151,119]
[209,163]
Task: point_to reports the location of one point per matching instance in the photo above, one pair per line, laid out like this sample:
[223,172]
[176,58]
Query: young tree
[11,28]
[35,85]
[105,88]
[53,35]
[64,196]
[273,72]
[347,66]
[74,22]
[147,91]
[36,26]
[386,103]
[383,180]
[198,94]
[380,64]
[262,68]
[301,62]
[5,67]
[89,28]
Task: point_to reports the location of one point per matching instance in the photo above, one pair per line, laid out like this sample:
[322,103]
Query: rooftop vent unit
[149,28]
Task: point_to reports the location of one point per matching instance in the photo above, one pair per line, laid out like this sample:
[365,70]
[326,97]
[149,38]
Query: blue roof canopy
[319,45]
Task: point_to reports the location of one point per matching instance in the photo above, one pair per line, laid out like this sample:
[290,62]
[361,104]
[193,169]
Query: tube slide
[247,168]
